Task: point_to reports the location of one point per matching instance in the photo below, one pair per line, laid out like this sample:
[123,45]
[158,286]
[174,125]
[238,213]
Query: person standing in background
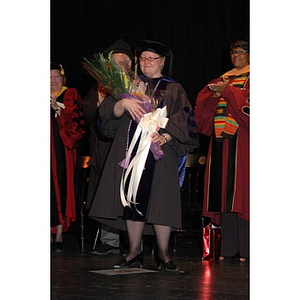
[67,128]
[100,144]
[222,111]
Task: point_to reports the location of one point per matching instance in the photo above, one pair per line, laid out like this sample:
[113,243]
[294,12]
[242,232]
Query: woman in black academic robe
[158,196]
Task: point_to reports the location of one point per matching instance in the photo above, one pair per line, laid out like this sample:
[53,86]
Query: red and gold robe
[66,131]
[226,187]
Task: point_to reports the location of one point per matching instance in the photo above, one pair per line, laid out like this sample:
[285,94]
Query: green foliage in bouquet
[109,74]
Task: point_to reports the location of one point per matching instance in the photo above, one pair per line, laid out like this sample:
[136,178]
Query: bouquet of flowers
[115,81]
[108,74]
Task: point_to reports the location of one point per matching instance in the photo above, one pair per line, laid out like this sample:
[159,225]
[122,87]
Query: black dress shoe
[58,247]
[168,266]
[134,262]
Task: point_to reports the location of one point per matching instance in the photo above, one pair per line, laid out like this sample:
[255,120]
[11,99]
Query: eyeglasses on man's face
[150,59]
[238,52]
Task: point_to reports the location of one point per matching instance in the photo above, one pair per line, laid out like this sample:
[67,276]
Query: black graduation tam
[119,46]
[156,47]
[55,66]
[152,46]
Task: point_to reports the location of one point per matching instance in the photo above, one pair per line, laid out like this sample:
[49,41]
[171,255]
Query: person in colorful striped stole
[222,112]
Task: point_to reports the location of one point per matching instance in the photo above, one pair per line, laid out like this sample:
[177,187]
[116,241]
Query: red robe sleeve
[238,102]
[205,109]
[70,121]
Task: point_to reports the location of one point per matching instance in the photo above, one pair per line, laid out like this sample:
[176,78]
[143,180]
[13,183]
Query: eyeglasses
[150,59]
[238,52]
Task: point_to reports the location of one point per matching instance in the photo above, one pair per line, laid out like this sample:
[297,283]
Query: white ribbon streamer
[60,105]
[146,127]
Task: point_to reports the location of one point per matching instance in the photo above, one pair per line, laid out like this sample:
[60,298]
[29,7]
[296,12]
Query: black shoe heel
[168,266]
[134,262]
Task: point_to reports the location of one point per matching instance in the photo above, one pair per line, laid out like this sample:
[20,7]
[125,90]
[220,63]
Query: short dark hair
[240,41]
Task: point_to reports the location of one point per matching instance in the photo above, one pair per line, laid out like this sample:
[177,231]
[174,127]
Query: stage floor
[83,275]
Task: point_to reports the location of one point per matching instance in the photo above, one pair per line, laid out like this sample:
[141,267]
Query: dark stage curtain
[198,31]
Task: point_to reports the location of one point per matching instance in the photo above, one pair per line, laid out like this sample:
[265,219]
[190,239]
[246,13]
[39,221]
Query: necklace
[153,100]
[127,141]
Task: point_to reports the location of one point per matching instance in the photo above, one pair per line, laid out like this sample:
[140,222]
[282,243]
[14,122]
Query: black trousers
[234,235]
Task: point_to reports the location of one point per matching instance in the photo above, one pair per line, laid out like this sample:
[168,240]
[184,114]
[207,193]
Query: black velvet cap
[152,46]
[119,46]
[55,66]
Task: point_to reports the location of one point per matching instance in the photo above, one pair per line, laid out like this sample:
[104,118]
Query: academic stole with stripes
[225,125]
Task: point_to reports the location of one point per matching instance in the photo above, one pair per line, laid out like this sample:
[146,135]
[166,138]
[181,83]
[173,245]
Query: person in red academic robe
[67,128]
[222,112]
